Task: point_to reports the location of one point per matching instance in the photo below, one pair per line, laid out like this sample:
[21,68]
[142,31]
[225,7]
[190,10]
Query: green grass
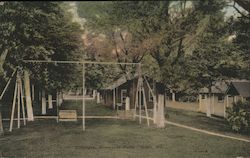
[201,121]
[92,109]
[112,139]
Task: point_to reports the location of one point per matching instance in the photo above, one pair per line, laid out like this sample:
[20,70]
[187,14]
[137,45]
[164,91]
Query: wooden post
[1,124]
[173,96]
[94,94]
[200,97]
[33,92]
[225,106]
[83,97]
[160,112]
[57,107]
[43,103]
[28,96]
[145,105]
[60,98]
[22,101]
[154,100]
[140,103]
[155,109]
[18,102]
[208,106]
[136,98]
[5,88]
[50,101]
[114,98]
[212,105]
[98,98]
[13,108]
[127,103]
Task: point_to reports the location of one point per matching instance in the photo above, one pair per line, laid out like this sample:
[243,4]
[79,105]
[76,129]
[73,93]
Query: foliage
[238,116]
[186,42]
[40,31]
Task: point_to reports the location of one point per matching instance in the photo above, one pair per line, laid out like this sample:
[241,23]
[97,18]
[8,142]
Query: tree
[40,31]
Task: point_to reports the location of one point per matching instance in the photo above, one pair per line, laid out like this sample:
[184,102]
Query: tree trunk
[28,96]
[160,112]
[2,59]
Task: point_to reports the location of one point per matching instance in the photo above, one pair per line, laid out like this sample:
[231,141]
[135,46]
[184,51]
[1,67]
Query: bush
[238,116]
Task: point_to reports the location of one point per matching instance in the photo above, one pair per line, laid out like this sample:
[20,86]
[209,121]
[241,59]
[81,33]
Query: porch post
[199,102]
[43,102]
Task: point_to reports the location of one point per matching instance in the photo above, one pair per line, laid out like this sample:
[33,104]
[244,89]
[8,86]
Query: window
[203,96]
[220,98]
[123,95]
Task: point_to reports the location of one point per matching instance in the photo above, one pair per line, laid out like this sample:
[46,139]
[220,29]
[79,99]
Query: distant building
[223,94]
[217,98]
[116,94]
[239,90]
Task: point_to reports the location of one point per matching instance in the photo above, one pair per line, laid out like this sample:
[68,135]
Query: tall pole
[140,95]
[22,101]
[13,108]
[18,102]
[83,97]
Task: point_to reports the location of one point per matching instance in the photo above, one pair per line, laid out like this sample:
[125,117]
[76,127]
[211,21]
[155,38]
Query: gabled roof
[242,88]
[219,87]
[121,81]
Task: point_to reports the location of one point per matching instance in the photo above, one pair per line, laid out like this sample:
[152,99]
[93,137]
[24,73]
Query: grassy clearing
[92,109]
[112,139]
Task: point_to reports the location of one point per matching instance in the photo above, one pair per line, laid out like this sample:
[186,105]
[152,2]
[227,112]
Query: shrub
[238,116]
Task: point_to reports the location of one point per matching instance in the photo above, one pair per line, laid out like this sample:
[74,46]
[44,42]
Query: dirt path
[203,131]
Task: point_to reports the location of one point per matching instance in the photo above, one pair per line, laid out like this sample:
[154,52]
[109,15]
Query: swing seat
[67,115]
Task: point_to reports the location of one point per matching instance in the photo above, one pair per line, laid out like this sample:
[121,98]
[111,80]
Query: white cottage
[216,100]
[223,94]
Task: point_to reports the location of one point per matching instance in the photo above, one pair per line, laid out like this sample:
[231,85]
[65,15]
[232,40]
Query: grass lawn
[113,139]
[92,109]
[201,121]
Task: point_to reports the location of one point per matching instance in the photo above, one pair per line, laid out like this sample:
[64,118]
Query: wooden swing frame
[83,81]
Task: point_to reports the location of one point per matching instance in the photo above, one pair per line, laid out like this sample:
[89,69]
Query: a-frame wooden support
[18,94]
[1,96]
[140,93]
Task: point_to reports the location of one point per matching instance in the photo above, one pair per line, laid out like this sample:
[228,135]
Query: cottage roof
[219,87]
[242,88]
[121,81]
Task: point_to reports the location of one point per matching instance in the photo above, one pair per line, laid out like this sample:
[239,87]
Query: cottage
[216,100]
[238,90]
[223,94]
[122,92]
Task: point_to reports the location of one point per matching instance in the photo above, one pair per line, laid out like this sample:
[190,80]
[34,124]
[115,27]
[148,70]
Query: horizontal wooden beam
[79,62]
[79,117]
